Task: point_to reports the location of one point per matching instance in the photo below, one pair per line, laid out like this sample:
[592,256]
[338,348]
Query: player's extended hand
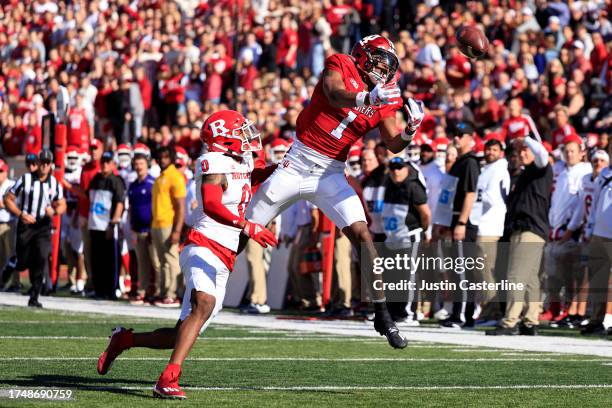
[416,111]
[259,233]
[383,94]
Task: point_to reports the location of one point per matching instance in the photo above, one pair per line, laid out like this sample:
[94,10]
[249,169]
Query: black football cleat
[386,327]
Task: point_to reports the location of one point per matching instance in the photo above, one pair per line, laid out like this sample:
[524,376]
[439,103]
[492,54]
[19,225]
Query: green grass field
[236,366]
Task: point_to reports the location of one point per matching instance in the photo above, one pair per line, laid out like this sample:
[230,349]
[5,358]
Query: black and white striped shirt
[34,196]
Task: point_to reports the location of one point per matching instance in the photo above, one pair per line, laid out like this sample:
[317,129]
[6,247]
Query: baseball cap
[397,163]
[31,158]
[45,156]
[554,19]
[463,128]
[599,154]
[95,143]
[107,156]
[578,44]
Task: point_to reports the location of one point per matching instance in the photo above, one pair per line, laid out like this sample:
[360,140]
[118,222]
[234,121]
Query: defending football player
[355,94]
[224,177]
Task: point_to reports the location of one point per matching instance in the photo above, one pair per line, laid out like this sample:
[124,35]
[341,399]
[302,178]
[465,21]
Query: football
[472,42]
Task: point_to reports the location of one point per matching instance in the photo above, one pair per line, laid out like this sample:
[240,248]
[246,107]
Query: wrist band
[407,137]
[360,99]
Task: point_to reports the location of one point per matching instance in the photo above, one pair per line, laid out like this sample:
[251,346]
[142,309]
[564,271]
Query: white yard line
[314,359]
[350,329]
[371,388]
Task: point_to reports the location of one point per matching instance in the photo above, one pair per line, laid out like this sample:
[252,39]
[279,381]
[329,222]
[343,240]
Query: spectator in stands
[168,214]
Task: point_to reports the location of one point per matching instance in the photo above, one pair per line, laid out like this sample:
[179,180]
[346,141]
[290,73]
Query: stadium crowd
[143,75]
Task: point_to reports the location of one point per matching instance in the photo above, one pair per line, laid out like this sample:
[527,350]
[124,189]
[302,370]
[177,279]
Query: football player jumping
[224,176]
[355,94]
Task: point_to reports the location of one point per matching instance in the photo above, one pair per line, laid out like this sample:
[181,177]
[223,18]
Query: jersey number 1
[337,132]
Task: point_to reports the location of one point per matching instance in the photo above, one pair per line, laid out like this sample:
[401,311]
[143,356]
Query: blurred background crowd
[143,75]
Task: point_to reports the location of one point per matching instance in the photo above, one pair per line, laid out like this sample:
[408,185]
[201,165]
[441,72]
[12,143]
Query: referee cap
[45,156]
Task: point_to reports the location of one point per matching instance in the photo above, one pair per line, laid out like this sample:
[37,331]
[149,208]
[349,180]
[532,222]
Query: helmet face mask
[375,57]
[231,133]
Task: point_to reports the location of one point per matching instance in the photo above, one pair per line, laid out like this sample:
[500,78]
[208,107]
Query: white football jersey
[586,195]
[489,210]
[235,198]
[600,220]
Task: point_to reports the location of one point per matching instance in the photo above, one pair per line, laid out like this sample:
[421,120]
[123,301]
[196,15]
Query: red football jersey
[332,131]
[521,126]
[561,133]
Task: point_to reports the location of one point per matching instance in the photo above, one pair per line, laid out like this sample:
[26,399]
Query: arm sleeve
[577,214]
[419,196]
[539,151]
[470,183]
[17,187]
[213,206]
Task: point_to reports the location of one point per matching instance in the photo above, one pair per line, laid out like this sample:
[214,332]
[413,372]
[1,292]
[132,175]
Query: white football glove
[416,112]
[383,94]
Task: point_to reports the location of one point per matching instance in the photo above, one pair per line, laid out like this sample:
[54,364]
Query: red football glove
[260,234]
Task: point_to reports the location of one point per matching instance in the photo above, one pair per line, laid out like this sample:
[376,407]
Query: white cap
[37,98]
[554,19]
[578,44]
[601,154]
[247,55]
[527,11]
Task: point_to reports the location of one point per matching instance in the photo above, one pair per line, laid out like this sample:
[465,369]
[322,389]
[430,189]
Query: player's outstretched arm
[339,97]
[388,129]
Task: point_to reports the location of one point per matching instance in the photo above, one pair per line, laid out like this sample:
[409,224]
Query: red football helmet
[376,58]
[227,131]
[182,158]
[143,149]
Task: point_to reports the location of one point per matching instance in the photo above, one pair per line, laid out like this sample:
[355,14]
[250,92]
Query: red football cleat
[120,340]
[167,386]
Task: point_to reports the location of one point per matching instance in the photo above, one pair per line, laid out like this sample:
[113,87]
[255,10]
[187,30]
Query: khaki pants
[7,249]
[524,267]
[168,256]
[303,286]
[257,272]
[600,261]
[487,247]
[86,253]
[148,263]
[342,266]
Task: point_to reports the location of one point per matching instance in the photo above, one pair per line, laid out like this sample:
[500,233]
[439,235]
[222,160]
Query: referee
[40,197]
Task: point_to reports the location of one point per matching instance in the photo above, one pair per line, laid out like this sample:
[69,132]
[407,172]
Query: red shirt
[461,64]
[173,91]
[78,129]
[561,133]
[520,126]
[335,15]
[332,131]
[13,145]
[87,174]
[146,91]
[33,140]
[247,77]
[288,38]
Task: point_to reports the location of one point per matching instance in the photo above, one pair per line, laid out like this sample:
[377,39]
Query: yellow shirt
[170,184]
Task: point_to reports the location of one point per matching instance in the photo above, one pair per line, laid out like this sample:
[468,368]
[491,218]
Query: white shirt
[585,202]
[303,215]
[5,216]
[600,221]
[564,200]
[489,210]
[433,179]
